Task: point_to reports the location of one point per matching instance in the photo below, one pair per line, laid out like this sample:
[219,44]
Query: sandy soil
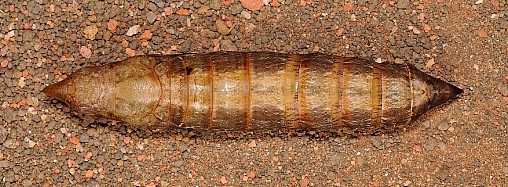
[44,143]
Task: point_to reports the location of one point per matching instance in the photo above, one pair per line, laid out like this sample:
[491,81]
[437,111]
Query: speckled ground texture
[44,143]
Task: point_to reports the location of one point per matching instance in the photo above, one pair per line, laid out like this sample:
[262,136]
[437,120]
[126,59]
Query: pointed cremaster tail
[430,92]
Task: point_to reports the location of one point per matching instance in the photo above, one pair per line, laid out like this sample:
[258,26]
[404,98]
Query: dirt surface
[43,143]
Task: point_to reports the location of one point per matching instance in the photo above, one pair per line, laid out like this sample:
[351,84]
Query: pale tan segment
[178,91]
[345,98]
[357,96]
[317,90]
[229,93]
[268,91]
[396,98]
[199,101]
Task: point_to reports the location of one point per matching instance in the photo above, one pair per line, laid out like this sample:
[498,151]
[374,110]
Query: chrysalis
[246,91]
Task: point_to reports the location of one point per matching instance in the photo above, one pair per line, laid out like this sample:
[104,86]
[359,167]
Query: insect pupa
[247,91]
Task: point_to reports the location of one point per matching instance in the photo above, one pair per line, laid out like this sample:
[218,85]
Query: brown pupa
[244,91]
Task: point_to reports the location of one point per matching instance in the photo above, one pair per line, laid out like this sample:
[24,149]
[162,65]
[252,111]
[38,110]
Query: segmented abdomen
[251,91]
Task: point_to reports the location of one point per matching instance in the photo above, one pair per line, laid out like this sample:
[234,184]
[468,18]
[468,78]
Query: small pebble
[151,6]
[130,52]
[251,174]
[150,16]
[252,144]
[398,61]
[9,143]
[164,184]
[74,140]
[430,63]
[34,101]
[426,28]
[90,32]
[203,9]
[168,11]
[215,4]
[482,33]
[223,180]
[27,183]
[133,30]
[443,126]
[147,35]
[31,144]
[4,164]
[84,138]
[228,45]
[403,4]
[252,5]
[417,148]
[348,6]
[406,183]
[3,135]
[246,14]
[304,182]
[178,163]
[430,145]
[89,174]
[443,175]
[221,27]
[58,138]
[503,89]
[4,63]
[183,12]
[377,143]
[236,8]
[85,52]
[504,24]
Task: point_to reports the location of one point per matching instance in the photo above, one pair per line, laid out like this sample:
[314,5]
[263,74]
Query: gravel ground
[44,143]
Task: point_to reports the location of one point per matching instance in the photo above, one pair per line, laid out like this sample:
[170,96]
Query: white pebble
[246,14]
[133,30]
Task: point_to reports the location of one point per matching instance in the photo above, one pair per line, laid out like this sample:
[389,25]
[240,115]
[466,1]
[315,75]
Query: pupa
[249,91]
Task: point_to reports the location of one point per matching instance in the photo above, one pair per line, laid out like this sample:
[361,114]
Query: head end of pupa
[60,90]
